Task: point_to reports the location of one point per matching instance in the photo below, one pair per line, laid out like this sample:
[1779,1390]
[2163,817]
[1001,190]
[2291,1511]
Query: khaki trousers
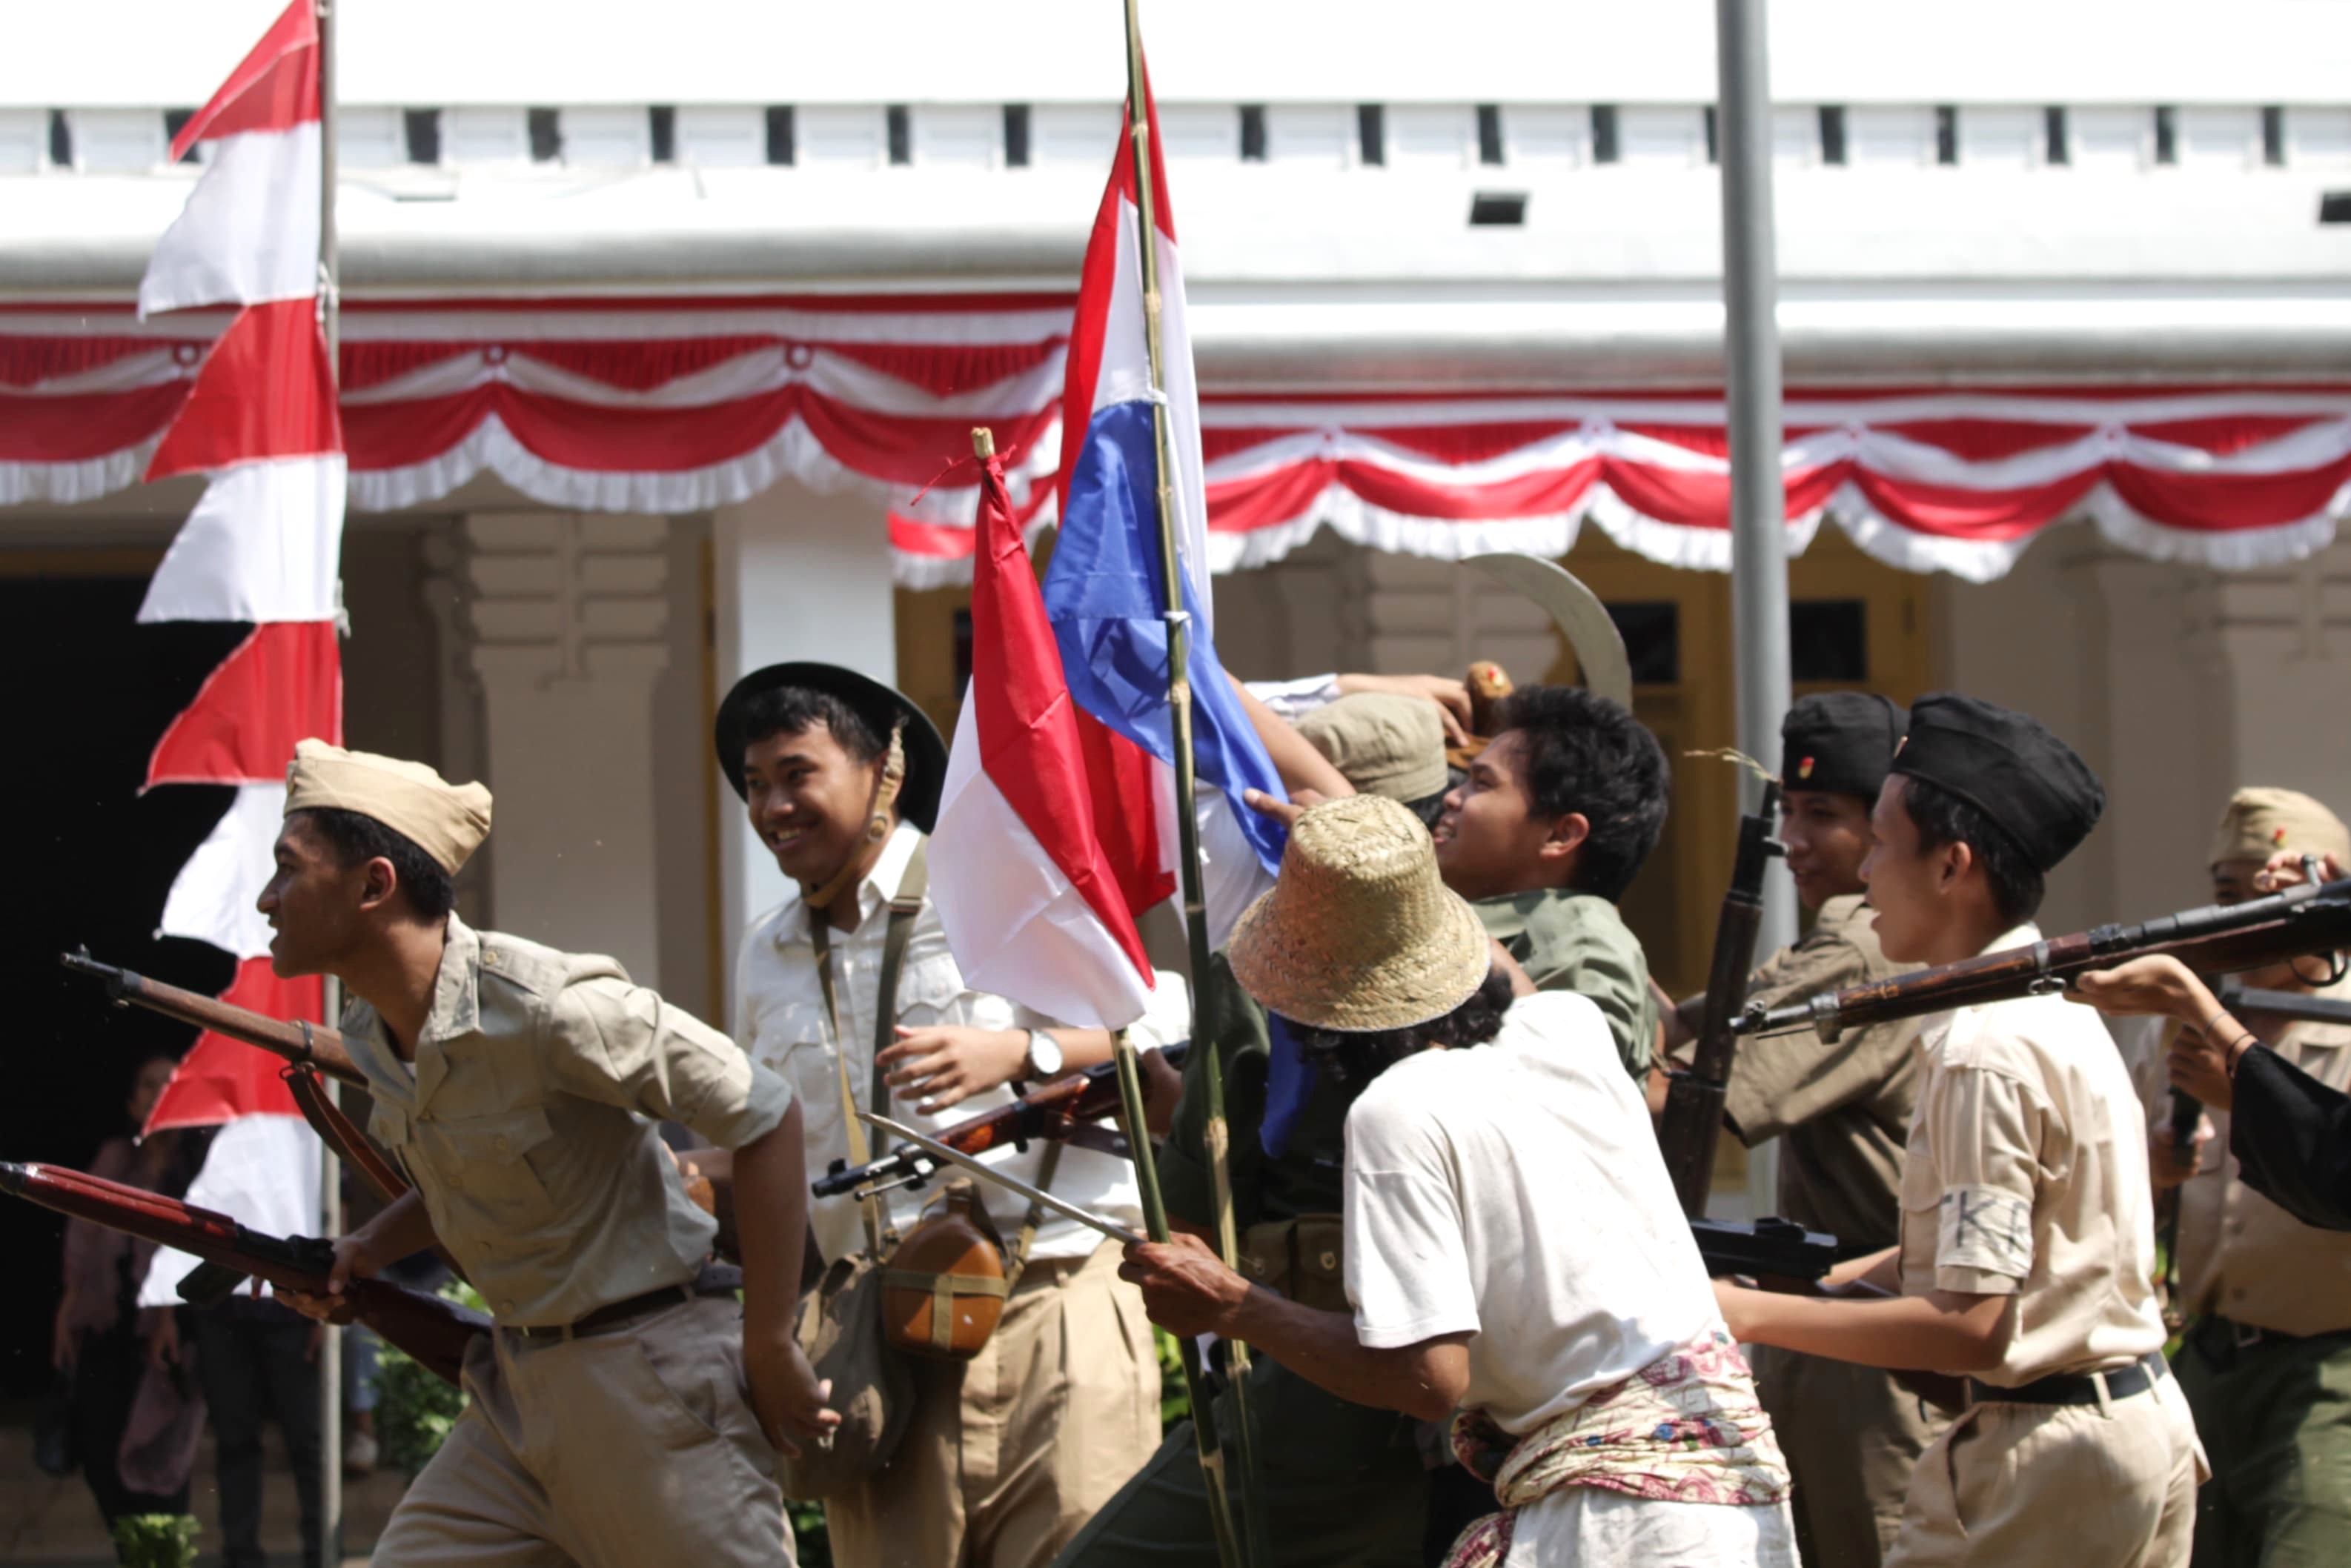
[2057,1486]
[617,1450]
[1852,1439]
[1011,1451]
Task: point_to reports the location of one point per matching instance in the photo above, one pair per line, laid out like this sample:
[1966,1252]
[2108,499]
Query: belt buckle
[2243,1336]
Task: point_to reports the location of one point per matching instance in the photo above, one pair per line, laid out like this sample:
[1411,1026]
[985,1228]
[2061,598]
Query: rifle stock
[1064,1110]
[2300,922]
[434,1332]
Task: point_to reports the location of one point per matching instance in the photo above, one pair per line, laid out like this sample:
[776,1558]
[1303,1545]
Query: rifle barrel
[304,1043]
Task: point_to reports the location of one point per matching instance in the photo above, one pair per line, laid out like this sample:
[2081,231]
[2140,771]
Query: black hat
[2009,768]
[869,699]
[1839,742]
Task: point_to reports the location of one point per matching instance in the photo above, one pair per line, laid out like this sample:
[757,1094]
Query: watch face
[1044,1054]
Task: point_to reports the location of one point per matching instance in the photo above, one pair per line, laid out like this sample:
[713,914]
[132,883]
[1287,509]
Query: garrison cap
[1382,743]
[2008,767]
[882,708]
[2260,823]
[1839,743]
[447,821]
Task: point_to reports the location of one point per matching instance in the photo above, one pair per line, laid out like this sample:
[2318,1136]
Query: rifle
[1780,1253]
[1064,1111]
[1692,1127]
[434,1332]
[2310,918]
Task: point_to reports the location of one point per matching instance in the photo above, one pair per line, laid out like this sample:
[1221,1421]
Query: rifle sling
[914,885]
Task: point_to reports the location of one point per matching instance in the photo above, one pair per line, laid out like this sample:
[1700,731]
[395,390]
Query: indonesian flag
[263,546]
[1048,845]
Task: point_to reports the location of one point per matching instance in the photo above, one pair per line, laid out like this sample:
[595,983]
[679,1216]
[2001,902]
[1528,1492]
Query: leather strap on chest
[913,883]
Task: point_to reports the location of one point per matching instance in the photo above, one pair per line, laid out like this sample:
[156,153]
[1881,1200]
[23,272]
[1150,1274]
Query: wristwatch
[1045,1057]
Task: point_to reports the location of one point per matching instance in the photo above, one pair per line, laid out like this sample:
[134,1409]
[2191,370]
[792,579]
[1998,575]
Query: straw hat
[1359,932]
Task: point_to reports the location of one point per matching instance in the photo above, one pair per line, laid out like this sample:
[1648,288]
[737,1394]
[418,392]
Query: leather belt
[604,1319]
[2222,1339]
[2077,1387]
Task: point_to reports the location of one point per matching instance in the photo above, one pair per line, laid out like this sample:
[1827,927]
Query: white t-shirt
[1514,1191]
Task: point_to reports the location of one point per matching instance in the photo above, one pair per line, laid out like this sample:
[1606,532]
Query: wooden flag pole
[331,1194]
[1187,830]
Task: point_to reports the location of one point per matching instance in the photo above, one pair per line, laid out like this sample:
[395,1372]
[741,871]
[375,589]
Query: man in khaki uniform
[2027,1245]
[1841,1112]
[519,1087]
[2266,1365]
[1010,1451]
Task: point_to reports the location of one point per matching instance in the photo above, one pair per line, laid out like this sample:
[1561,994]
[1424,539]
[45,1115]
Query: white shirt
[1293,700]
[780,1019]
[1514,1191]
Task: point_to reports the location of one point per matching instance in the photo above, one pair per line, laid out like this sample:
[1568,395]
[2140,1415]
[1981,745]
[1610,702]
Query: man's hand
[1451,697]
[2162,1161]
[2199,1063]
[2284,871]
[2157,984]
[1286,812]
[354,1259]
[1187,1289]
[786,1394]
[162,1328]
[949,1063]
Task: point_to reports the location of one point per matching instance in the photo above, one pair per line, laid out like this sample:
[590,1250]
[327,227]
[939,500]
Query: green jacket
[1578,942]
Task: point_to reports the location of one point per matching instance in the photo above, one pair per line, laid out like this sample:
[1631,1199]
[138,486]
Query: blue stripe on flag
[1104,595]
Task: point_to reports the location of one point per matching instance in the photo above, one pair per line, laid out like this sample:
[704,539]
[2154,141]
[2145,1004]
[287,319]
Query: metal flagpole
[330,1195]
[1253,1549]
[1758,539]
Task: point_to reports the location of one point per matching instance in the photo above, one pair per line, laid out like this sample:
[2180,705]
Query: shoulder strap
[914,886]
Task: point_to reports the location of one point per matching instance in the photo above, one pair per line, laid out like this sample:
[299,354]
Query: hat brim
[1291,974]
[879,706]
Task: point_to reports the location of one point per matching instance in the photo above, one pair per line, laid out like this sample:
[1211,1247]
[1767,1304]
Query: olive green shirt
[1579,942]
[1840,1111]
[527,1122]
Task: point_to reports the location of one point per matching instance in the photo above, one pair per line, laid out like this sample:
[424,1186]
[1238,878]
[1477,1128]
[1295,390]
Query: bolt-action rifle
[434,1332]
[2299,922]
[1068,1110]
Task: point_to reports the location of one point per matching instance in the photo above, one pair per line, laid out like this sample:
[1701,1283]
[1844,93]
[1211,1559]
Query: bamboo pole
[1187,828]
[330,1196]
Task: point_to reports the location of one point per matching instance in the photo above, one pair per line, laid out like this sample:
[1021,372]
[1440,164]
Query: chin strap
[877,825]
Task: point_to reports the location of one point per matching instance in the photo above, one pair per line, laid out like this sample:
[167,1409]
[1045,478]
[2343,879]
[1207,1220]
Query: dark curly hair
[796,710]
[1584,754]
[1942,818]
[1351,1059]
[357,838]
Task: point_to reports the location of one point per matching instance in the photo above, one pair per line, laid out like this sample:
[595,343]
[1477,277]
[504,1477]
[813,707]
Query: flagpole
[1188,831]
[330,1205]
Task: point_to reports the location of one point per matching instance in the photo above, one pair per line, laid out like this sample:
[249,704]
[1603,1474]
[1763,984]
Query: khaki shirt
[524,1122]
[1579,942]
[2026,1175]
[2240,1255]
[1842,1110]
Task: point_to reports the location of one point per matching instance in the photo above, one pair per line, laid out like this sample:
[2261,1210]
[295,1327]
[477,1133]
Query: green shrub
[156,1540]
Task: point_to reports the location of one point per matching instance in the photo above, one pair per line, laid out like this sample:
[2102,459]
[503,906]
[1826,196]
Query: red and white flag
[262,545]
[1048,845]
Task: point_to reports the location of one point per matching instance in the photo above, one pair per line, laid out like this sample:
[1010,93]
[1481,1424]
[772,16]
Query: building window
[902,133]
[780,133]
[2274,136]
[420,131]
[1652,631]
[546,136]
[1946,134]
[2060,151]
[2166,134]
[1252,133]
[1490,133]
[1832,133]
[1605,147]
[1371,134]
[174,121]
[1016,136]
[60,139]
[1828,639]
[664,116]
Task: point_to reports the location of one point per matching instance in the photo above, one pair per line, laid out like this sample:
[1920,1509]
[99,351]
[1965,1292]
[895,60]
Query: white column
[796,575]
[569,614]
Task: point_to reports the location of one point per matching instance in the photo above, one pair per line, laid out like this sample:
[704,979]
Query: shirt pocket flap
[387,1124]
[498,1140]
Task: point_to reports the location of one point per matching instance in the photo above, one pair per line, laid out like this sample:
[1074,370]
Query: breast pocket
[793,1042]
[487,1160]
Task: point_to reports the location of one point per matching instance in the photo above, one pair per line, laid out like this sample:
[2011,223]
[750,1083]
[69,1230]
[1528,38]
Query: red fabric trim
[1086,799]
[2228,432]
[275,88]
[1987,439]
[1463,444]
[264,391]
[943,370]
[27,360]
[85,425]
[222,1079]
[1950,511]
[2229,503]
[282,684]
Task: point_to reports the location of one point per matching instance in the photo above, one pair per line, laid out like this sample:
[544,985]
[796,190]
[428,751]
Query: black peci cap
[2008,767]
[1840,743]
[879,706]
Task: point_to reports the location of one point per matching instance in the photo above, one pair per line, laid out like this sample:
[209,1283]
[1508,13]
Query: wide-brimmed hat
[1360,932]
[880,706]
